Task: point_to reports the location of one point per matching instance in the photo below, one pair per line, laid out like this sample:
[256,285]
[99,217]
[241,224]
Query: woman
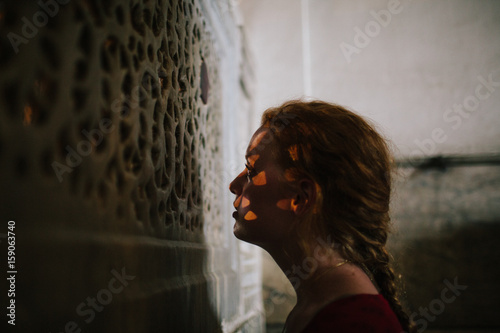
[315,195]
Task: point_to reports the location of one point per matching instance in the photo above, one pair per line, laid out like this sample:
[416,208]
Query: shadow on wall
[67,286]
[102,126]
[452,277]
[446,244]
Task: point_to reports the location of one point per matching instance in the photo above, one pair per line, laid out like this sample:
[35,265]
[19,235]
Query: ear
[305,196]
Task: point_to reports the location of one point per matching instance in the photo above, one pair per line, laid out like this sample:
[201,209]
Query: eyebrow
[252,159]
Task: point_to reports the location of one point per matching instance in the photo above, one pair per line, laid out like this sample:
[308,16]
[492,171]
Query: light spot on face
[260,179]
[284,204]
[258,138]
[245,202]
[252,159]
[250,216]
[237,202]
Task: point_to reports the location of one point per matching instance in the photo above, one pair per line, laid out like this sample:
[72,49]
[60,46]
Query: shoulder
[359,313]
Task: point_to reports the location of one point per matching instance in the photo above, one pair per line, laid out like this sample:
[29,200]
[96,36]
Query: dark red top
[356,314]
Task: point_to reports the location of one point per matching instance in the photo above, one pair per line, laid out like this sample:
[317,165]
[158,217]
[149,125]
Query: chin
[238,232]
[242,234]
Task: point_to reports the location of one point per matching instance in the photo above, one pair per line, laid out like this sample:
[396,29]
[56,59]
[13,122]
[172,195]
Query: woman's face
[263,195]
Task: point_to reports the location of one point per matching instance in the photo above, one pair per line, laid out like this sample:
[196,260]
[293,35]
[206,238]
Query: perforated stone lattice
[103,119]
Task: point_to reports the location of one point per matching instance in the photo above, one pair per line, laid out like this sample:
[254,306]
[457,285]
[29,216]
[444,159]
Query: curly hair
[351,165]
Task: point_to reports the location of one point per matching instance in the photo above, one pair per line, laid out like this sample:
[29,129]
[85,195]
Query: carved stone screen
[110,143]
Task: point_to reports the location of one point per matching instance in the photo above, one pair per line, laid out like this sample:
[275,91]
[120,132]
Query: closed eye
[250,172]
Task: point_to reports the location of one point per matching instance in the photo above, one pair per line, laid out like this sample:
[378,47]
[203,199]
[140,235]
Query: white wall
[407,77]
[274,36]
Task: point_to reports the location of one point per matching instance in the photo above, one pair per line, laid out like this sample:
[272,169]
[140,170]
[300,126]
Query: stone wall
[113,136]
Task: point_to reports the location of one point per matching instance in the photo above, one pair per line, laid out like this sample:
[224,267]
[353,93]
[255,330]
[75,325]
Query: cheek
[251,204]
[250,216]
[284,204]
[260,203]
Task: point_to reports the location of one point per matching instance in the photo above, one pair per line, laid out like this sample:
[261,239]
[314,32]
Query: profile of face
[265,198]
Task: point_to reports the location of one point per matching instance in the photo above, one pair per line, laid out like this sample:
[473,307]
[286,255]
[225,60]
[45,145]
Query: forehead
[259,142]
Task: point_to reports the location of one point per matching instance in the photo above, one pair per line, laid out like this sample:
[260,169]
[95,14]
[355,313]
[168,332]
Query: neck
[305,271]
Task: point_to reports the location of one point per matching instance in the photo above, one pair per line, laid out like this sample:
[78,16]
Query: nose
[236,185]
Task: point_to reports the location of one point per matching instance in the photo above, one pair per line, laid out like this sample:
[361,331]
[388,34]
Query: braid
[383,275]
[372,256]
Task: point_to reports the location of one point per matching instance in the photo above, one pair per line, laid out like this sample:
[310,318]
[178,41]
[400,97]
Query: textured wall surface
[111,140]
[447,224]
